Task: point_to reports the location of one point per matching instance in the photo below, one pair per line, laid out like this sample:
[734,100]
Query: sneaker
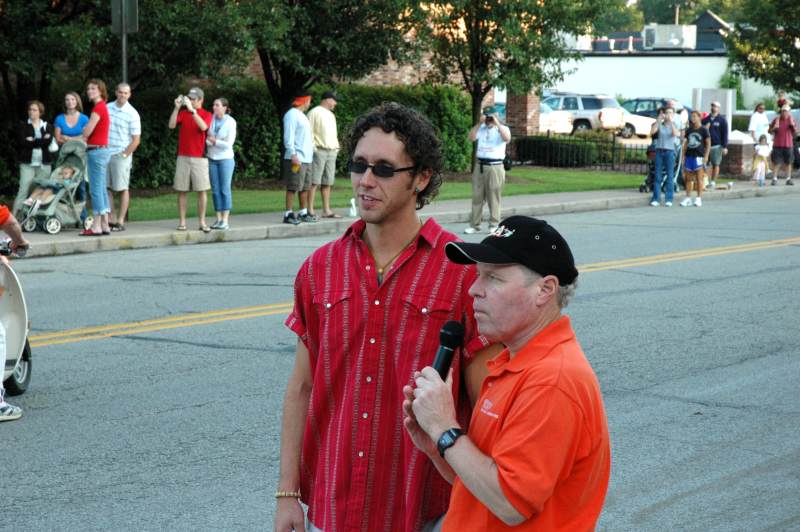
[308,218]
[9,412]
[698,202]
[687,202]
[712,184]
[654,203]
[291,218]
[492,228]
[222,226]
[215,225]
[471,230]
[774,181]
[667,204]
[790,182]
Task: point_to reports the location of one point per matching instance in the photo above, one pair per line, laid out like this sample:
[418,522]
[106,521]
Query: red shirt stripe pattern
[359,469]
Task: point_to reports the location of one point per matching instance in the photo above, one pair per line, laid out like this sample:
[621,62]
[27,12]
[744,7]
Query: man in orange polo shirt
[537,454]
[11,227]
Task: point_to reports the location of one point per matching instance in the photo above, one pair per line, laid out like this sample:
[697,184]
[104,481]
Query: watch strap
[448,439]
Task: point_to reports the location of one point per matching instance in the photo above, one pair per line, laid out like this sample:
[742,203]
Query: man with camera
[488,175]
[10,225]
[665,131]
[191,169]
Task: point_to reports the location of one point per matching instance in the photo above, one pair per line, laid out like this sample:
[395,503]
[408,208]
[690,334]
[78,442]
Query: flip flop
[181,228]
[205,228]
[332,215]
[89,232]
[117,227]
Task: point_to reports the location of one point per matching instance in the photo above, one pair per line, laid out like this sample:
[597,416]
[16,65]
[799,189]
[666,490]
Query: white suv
[590,111]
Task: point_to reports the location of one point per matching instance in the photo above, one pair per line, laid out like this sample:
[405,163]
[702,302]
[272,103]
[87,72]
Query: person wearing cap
[368,309]
[717,127]
[297,158]
[191,169]
[536,455]
[783,129]
[488,175]
[326,148]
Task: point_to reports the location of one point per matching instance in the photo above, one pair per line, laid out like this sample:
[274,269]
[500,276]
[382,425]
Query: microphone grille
[452,334]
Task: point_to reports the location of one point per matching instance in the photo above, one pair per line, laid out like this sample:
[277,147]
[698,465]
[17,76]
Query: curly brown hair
[417,134]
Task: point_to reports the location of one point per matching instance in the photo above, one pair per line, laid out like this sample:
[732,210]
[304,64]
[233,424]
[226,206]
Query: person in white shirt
[124,135]
[488,175]
[759,124]
[326,148]
[297,158]
[221,136]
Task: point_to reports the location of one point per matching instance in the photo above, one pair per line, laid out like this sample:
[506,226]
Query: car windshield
[544,108]
[629,105]
[609,102]
[552,102]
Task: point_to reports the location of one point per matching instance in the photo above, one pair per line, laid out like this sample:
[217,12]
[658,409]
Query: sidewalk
[269,225]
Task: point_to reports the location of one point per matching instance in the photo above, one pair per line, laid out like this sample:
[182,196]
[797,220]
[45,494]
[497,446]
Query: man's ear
[422,179]
[549,290]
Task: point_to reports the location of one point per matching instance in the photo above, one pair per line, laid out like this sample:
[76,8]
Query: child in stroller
[55,201]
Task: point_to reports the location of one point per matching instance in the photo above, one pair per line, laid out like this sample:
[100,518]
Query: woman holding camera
[667,133]
[34,139]
[96,135]
[220,139]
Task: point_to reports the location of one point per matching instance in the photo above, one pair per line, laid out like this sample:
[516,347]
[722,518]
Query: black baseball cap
[330,94]
[523,240]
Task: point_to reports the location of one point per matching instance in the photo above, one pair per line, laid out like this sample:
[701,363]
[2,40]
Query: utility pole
[124,20]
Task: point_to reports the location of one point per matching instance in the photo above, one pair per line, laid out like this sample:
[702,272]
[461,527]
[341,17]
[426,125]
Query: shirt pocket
[425,318]
[332,304]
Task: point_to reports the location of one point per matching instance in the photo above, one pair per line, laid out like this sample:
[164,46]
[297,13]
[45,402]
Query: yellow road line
[216,316]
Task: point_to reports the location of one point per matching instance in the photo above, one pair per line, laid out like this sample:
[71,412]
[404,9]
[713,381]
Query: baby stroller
[649,179]
[64,207]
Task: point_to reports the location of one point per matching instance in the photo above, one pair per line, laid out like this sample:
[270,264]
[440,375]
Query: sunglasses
[379,170]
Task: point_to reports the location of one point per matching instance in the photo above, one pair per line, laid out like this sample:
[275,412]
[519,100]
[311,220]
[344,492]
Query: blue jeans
[665,163]
[98,166]
[221,174]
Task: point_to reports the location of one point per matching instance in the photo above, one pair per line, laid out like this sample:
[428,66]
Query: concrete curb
[155,234]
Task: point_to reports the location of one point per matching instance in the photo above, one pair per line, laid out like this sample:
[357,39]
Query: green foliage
[516,45]
[556,151]
[740,122]
[619,17]
[730,80]
[663,11]
[766,48]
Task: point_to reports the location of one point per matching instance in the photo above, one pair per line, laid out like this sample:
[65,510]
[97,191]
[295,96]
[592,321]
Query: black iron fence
[594,150]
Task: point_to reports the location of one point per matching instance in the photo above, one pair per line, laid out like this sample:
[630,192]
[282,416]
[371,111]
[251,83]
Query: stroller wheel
[52,225]
[29,225]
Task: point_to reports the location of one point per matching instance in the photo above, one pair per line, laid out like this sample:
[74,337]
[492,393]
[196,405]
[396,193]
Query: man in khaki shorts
[191,169]
[124,133]
[297,158]
[326,148]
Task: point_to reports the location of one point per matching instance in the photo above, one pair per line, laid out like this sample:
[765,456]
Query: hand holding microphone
[450,338]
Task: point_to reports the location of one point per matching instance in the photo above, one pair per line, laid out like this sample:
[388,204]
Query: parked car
[590,111]
[649,107]
[554,121]
[636,125]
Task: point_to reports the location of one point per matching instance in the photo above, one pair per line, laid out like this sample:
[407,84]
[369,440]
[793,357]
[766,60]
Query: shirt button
[327,305]
[369,267]
[361,454]
[377,302]
[424,310]
[369,379]
[372,340]
[365,415]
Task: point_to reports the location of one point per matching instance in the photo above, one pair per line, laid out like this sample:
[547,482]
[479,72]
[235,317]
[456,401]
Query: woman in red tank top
[96,135]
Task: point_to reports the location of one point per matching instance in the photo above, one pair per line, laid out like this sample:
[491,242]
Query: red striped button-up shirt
[359,469]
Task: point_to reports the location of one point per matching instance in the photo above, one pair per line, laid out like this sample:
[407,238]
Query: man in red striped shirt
[368,310]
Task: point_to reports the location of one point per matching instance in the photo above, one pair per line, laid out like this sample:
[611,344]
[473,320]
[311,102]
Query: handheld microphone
[450,337]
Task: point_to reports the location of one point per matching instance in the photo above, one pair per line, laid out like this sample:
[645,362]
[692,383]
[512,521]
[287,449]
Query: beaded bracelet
[281,494]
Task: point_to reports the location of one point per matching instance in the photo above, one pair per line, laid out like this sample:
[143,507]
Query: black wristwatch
[448,439]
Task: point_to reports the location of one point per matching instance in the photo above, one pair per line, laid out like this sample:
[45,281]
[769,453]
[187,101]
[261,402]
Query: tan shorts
[191,173]
[323,170]
[299,181]
[118,175]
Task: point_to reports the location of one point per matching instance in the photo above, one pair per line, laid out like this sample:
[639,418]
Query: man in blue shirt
[718,130]
[297,158]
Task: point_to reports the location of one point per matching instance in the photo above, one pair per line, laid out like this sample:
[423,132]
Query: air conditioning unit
[669,37]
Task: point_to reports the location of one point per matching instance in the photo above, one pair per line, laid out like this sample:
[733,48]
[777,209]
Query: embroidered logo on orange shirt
[486,408]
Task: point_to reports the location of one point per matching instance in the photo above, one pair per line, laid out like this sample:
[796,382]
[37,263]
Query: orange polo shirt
[540,417]
[5,214]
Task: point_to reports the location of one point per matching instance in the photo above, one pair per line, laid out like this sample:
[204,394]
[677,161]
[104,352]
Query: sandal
[181,228]
[332,215]
[204,228]
[117,227]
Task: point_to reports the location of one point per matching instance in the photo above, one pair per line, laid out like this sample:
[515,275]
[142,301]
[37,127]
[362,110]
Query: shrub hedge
[559,151]
[258,145]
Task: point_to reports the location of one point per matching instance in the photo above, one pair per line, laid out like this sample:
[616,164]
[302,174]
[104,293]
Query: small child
[761,161]
[46,190]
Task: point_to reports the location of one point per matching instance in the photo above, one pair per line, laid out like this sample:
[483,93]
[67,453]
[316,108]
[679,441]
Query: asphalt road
[174,424]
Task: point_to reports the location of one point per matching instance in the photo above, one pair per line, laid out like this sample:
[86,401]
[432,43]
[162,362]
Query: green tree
[618,17]
[516,45]
[767,47]
[301,43]
[663,11]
